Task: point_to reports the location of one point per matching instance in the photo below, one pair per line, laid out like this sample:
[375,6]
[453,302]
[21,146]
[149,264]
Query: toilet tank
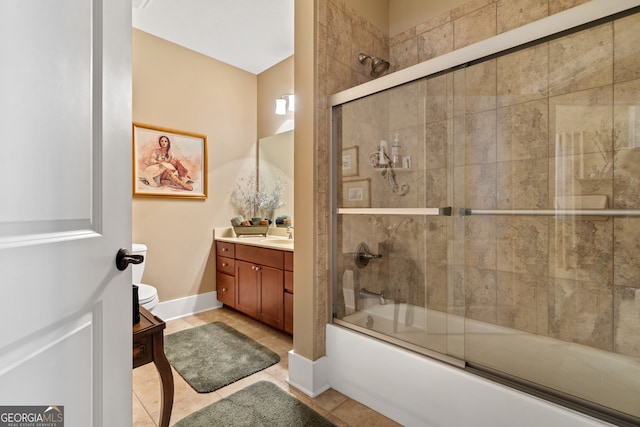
[138,269]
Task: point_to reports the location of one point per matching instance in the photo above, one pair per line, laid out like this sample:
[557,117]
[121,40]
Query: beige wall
[180,89]
[374,11]
[272,84]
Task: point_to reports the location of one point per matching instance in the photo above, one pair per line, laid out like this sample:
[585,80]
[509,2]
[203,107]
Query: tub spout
[368,294]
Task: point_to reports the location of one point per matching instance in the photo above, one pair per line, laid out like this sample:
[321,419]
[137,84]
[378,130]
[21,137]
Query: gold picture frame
[356,194]
[350,161]
[174,169]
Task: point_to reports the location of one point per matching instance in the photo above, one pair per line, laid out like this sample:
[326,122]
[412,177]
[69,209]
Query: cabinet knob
[224,264]
[224,249]
[224,289]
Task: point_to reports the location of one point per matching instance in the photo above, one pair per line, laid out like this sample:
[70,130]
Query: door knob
[124,258]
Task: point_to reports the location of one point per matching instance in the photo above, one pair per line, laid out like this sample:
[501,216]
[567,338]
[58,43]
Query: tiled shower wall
[515,253]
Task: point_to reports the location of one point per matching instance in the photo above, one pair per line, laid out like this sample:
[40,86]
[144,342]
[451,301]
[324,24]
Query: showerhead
[378,65]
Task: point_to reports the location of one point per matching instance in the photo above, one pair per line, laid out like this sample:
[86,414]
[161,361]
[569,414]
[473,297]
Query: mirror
[275,165]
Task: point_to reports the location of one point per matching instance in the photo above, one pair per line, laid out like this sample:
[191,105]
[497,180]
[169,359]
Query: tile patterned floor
[341,410]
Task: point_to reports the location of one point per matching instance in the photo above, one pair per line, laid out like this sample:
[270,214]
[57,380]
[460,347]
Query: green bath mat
[260,404]
[214,355]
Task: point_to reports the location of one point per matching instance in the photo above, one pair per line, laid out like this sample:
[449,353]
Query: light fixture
[281,104]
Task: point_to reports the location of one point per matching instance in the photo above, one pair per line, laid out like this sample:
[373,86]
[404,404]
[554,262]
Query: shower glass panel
[505,233]
[395,191]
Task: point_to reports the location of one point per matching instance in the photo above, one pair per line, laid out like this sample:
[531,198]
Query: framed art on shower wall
[350,161]
[356,194]
[169,163]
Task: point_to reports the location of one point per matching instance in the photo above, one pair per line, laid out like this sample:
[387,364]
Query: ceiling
[252,35]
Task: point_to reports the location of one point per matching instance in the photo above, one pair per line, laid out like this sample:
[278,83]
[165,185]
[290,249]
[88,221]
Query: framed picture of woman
[169,163]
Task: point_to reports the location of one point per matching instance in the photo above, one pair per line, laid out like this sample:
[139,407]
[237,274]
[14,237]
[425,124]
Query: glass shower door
[395,262]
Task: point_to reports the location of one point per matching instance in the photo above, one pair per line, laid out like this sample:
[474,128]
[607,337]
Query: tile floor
[341,410]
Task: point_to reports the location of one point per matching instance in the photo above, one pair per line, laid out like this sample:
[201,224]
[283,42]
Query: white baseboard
[174,309]
[310,377]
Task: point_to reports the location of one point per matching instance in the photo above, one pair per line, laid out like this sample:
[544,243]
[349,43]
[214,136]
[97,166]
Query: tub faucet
[290,232]
[368,294]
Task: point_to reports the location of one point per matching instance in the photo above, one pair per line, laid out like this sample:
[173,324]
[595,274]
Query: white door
[65,208]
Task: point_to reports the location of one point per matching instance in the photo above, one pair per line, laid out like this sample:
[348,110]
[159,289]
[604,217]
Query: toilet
[147,294]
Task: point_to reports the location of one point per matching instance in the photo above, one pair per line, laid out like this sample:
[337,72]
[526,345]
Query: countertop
[277,238]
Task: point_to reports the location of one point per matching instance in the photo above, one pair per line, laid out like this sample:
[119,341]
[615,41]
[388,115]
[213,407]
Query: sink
[278,241]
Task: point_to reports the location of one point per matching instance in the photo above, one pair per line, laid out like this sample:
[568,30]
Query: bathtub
[373,359]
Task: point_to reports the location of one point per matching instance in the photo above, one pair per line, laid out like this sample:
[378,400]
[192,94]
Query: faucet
[290,232]
[365,293]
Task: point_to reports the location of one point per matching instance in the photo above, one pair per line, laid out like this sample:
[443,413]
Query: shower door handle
[124,258]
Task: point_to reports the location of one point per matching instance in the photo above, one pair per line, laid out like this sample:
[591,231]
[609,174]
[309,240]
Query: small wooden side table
[148,346]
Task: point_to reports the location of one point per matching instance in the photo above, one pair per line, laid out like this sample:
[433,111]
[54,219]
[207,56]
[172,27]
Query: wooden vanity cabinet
[260,284]
[288,292]
[257,282]
[225,273]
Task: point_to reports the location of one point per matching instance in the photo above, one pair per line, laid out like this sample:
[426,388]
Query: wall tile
[481,295]
[523,245]
[627,144]
[626,65]
[516,13]
[523,184]
[480,243]
[557,6]
[626,269]
[523,76]
[480,144]
[434,22]
[522,302]
[581,312]
[523,131]
[435,42]
[438,98]
[581,61]
[470,6]
[581,250]
[404,54]
[627,319]
[339,35]
[403,36]
[436,144]
[479,186]
[475,26]
[481,86]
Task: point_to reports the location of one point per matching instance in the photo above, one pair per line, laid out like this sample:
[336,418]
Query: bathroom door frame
[65,309]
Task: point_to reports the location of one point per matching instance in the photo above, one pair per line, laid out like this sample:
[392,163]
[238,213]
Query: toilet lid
[146,293]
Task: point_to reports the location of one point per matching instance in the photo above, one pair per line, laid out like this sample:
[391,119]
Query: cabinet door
[288,313]
[272,296]
[248,289]
[225,286]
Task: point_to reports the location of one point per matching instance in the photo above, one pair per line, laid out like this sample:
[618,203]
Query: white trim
[566,20]
[174,309]
[310,377]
